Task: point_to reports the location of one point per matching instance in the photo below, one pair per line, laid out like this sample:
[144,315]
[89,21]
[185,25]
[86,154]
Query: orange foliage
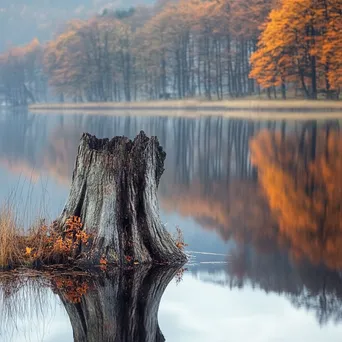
[195,42]
[71,60]
[94,52]
[299,37]
[50,244]
[43,244]
[21,52]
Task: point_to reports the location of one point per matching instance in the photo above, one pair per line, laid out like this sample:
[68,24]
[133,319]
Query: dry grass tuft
[10,237]
[42,244]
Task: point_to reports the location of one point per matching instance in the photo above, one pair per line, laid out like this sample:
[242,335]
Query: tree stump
[120,307]
[114,192]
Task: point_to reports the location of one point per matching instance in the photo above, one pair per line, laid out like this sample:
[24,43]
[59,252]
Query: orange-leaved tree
[297,46]
[21,74]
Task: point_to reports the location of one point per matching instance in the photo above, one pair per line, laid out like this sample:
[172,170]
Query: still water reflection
[259,203]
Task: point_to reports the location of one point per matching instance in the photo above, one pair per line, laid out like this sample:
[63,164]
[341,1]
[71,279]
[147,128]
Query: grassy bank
[246,104]
[244,109]
[253,113]
[243,114]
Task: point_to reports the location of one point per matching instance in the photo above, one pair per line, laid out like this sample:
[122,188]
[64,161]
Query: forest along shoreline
[185,50]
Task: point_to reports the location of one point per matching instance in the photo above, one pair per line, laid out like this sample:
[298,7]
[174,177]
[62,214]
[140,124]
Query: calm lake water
[259,203]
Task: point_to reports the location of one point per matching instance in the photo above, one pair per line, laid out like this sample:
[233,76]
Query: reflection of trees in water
[20,135]
[197,148]
[322,293]
[59,154]
[234,210]
[315,288]
[211,148]
[300,175]
[201,148]
[122,306]
[217,186]
[284,211]
[301,178]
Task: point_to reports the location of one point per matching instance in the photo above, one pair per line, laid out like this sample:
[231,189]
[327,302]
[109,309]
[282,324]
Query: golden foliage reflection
[300,175]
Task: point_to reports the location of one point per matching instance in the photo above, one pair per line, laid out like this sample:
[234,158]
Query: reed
[41,244]
[11,236]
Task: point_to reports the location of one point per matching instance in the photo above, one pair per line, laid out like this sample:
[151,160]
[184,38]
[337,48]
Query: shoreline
[242,115]
[243,109]
[195,105]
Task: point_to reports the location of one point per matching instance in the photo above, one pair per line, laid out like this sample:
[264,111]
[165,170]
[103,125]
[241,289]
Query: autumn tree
[299,45]
[190,48]
[91,60]
[21,74]
[198,48]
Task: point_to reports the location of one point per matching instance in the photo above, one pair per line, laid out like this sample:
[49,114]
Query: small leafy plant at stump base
[179,239]
[42,244]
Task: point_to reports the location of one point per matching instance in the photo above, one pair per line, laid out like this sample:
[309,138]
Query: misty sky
[22,20]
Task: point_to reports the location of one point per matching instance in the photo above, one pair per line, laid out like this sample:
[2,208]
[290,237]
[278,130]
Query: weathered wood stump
[114,192]
[120,307]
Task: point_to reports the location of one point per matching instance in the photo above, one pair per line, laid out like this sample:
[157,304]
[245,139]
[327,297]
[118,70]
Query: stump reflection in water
[122,306]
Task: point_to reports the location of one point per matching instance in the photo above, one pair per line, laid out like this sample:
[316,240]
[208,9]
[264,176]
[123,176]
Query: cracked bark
[114,192]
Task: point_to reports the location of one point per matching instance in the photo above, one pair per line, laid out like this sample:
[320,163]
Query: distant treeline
[185,49]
